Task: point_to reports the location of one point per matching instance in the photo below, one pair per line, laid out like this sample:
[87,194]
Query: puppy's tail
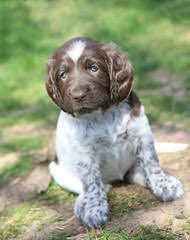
[169,147]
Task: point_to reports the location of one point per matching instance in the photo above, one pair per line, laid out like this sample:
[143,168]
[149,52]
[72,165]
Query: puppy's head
[84,75]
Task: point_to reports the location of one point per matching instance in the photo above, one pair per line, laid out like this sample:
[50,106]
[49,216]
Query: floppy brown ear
[120,71]
[51,84]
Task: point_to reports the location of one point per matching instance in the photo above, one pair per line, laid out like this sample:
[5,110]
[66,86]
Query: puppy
[102,132]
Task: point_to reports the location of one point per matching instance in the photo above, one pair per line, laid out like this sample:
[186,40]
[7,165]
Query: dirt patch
[26,130]
[38,180]
[171,134]
[33,231]
[172,214]
[173,84]
[19,190]
[71,226]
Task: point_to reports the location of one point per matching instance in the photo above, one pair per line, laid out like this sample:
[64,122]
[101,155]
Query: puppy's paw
[92,214]
[168,188]
[96,216]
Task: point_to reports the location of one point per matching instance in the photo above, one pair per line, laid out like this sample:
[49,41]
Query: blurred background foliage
[154,34]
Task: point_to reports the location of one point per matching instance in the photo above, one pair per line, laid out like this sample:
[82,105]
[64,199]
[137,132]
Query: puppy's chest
[102,135]
[109,141]
[111,137]
[111,145]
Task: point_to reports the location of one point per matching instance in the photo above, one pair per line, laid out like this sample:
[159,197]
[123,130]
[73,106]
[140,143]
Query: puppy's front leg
[162,185]
[91,206]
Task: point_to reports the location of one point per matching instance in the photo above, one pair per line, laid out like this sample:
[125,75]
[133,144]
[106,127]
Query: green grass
[22,144]
[126,203]
[55,194]
[15,222]
[186,226]
[49,221]
[144,233]
[59,236]
[163,108]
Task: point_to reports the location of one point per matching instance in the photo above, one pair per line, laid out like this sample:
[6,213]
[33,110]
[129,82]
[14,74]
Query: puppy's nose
[78,93]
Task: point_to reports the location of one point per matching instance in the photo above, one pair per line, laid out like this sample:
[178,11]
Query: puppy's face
[84,75]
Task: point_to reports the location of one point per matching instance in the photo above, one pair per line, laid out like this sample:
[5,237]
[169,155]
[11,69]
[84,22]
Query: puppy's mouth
[82,110]
[86,107]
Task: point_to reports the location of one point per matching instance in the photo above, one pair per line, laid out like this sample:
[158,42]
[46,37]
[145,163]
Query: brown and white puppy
[102,132]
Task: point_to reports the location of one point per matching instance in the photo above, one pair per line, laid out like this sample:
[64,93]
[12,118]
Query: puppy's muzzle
[78,93]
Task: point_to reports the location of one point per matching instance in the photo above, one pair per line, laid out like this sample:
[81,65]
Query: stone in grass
[38,180]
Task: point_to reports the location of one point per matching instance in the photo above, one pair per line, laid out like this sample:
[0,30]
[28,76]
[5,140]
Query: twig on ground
[65,223]
[78,237]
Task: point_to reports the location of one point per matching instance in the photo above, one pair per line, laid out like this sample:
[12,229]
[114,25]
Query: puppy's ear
[50,81]
[120,71]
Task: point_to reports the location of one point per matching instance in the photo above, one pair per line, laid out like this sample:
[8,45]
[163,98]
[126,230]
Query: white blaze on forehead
[76,50]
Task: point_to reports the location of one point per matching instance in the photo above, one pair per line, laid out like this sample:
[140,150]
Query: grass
[16,220]
[22,144]
[59,236]
[186,226]
[49,221]
[125,203]
[144,233]
[154,34]
[55,194]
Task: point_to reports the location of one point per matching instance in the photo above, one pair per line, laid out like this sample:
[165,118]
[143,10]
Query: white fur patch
[138,178]
[76,50]
[65,179]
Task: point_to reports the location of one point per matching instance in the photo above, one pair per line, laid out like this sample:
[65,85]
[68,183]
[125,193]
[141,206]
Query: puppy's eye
[93,68]
[63,75]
